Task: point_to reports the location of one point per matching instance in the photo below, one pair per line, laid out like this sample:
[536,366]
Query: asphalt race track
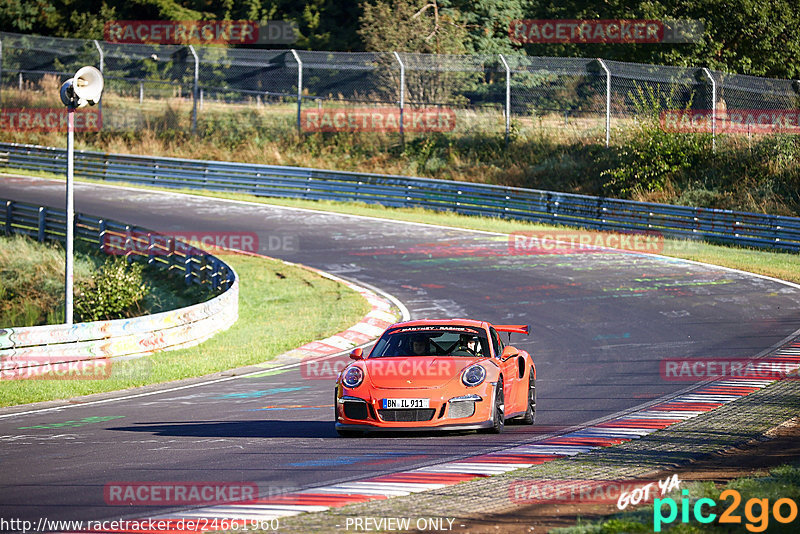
[601,324]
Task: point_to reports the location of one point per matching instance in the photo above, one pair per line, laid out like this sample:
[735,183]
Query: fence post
[195,89]
[508,96]
[402,96]
[102,64]
[713,108]
[608,99]
[299,88]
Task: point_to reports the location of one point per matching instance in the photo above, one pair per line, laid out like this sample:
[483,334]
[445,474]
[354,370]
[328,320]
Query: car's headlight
[353,377]
[473,375]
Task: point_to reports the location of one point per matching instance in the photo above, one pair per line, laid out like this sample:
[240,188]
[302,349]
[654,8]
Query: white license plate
[399,404]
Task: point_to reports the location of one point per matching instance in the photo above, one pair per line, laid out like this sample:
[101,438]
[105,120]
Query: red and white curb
[622,429]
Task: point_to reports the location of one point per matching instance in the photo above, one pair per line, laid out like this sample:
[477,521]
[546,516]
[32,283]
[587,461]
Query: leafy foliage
[649,160]
[115,290]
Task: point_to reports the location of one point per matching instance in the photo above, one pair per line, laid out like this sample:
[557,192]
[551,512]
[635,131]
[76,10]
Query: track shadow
[236,429]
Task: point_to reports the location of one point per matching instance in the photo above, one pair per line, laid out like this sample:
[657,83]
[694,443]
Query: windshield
[433,341]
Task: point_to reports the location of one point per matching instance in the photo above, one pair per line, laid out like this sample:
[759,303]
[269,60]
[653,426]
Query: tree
[414,27]
[411,26]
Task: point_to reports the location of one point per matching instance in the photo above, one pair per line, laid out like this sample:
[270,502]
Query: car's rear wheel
[530,413]
[499,408]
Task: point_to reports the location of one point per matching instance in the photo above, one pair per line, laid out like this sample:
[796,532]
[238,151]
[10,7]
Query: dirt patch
[779,446]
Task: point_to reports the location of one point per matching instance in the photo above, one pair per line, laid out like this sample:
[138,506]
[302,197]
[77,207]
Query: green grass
[782,265]
[280,308]
[32,281]
[782,482]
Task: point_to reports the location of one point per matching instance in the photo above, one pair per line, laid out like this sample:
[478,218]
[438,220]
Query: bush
[113,292]
[648,161]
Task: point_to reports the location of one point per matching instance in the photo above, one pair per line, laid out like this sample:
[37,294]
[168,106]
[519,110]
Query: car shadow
[235,429]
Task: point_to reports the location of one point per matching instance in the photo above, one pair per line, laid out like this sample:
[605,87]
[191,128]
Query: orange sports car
[453,374]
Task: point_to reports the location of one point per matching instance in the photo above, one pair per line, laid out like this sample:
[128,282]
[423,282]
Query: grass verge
[782,265]
[271,321]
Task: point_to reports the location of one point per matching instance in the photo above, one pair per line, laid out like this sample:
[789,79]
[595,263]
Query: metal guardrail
[598,213]
[40,346]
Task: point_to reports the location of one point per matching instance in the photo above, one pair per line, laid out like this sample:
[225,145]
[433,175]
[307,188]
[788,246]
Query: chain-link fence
[217,88]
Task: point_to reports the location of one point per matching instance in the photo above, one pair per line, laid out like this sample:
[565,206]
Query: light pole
[85,88]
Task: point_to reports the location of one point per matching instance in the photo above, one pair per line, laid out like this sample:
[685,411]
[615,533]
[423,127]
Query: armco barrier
[732,227]
[26,347]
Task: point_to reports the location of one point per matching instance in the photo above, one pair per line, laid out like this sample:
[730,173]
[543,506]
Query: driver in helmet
[418,345]
[469,343]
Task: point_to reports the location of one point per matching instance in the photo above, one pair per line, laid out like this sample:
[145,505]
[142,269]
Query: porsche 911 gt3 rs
[453,374]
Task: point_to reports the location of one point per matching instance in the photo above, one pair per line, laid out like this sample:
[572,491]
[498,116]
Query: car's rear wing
[515,328]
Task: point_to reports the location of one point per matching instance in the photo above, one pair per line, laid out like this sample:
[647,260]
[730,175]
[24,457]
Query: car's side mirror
[357,354]
[509,352]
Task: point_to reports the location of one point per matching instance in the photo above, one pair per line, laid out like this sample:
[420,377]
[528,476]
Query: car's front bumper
[362,411]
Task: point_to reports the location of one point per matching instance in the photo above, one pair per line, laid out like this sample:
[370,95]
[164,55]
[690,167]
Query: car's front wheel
[499,408]
[530,413]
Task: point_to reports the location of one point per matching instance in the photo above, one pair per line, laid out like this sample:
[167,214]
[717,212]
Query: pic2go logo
[756,511]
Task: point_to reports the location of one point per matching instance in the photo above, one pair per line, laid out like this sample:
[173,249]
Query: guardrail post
[128,244]
[42,216]
[151,258]
[214,273]
[402,97]
[102,63]
[508,96]
[608,99]
[713,108]
[187,264]
[195,89]
[101,233]
[9,213]
[299,88]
